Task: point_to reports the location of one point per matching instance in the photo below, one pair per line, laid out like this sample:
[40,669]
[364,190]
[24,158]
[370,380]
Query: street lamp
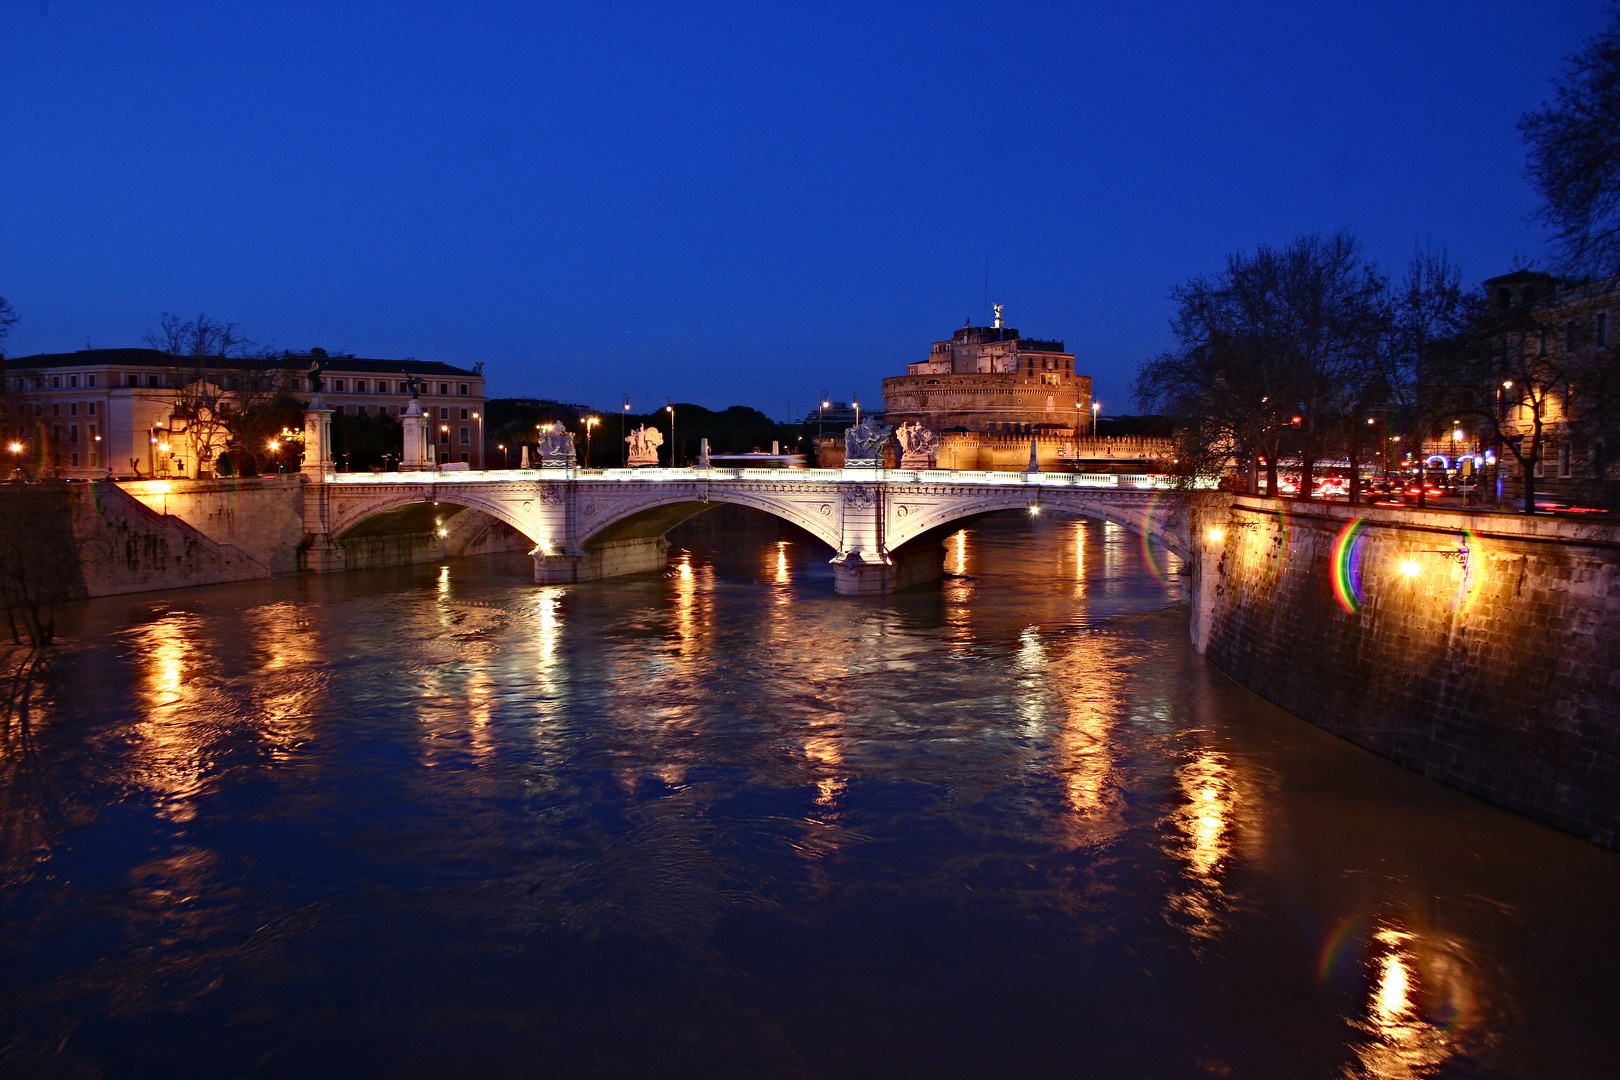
[1095,405]
[506,461]
[855,401]
[590,422]
[670,408]
[624,414]
[482,464]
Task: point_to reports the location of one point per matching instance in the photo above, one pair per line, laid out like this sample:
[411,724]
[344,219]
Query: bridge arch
[351,518]
[1144,513]
[655,515]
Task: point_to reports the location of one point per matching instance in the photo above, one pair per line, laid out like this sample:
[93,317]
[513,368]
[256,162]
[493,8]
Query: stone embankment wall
[116,543]
[262,517]
[1482,649]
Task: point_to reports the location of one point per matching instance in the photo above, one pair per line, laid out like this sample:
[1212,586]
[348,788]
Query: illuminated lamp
[1410,568]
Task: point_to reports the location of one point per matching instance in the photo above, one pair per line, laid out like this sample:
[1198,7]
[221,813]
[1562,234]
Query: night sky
[734,204]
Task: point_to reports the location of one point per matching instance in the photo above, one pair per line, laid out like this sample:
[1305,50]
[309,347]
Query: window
[56,408]
[132,380]
[359,410]
[444,389]
[73,408]
[464,455]
[464,414]
[337,385]
[360,388]
[90,409]
[465,438]
[90,381]
[56,382]
[1563,458]
[152,381]
[73,433]
[462,389]
[75,459]
[444,414]
[73,382]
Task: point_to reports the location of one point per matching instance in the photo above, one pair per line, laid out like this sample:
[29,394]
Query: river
[438,821]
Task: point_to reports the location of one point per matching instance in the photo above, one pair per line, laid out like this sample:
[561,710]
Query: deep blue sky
[733,204]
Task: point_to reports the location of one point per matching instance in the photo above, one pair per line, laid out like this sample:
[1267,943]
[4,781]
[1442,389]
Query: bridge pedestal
[853,576]
[614,559]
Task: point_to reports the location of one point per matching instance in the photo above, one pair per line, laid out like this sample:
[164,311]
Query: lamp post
[590,422]
[624,414]
[482,464]
[855,401]
[506,460]
[1095,405]
[674,462]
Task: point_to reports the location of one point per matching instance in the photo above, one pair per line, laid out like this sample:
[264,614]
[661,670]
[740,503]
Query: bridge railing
[1148,481]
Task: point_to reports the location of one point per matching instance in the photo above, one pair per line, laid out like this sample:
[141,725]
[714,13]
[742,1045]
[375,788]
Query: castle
[991,380]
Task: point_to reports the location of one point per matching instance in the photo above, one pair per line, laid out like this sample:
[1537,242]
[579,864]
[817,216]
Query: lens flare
[1347,566]
[1154,554]
[1469,585]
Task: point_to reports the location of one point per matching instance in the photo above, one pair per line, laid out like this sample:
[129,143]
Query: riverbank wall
[1481,649]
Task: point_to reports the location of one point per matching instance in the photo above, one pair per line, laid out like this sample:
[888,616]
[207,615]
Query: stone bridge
[884,524]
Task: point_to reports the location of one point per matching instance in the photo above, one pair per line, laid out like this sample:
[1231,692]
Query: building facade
[118,412]
[1560,339]
[990,379]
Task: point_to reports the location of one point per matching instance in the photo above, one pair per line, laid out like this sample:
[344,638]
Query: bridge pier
[911,565]
[614,559]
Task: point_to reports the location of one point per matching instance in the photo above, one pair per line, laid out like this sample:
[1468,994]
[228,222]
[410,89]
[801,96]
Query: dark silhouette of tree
[218,383]
[1574,157]
[8,319]
[1272,354]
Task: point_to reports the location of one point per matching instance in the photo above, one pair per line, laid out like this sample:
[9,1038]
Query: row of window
[59,433]
[21,408]
[396,410]
[365,386]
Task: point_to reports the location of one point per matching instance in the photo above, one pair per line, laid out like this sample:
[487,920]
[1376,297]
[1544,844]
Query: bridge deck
[819,476]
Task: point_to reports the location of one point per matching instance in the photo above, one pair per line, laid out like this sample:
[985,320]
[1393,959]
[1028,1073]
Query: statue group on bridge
[863,443]
[644,443]
[919,447]
[557,447]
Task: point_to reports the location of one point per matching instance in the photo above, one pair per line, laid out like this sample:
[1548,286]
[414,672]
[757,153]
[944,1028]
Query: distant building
[992,380]
[111,412]
[1569,325]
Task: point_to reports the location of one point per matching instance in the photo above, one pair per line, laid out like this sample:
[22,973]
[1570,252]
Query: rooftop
[152,358]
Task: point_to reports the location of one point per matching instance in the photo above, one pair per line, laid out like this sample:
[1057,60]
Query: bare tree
[1271,354]
[218,383]
[39,559]
[1574,157]
[8,319]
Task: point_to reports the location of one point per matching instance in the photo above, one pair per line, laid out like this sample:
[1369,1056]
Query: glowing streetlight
[590,422]
[1095,406]
[670,408]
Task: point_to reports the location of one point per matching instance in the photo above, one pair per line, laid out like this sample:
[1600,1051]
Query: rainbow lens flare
[1347,566]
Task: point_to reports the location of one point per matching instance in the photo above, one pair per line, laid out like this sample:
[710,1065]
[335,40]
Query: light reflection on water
[724,822]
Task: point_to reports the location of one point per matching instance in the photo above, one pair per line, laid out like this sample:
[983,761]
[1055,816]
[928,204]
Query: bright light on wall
[1410,568]
[1216,535]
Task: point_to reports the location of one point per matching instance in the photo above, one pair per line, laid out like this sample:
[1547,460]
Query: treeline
[1310,352]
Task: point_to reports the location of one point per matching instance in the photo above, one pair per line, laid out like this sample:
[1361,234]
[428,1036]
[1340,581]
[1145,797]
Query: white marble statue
[919,447]
[644,443]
